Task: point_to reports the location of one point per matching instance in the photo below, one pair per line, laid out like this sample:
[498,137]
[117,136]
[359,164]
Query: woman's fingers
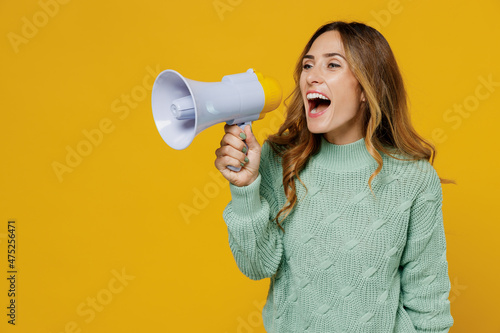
[251,141]
[234,130]
[234,156]
[233,141]
[234,152]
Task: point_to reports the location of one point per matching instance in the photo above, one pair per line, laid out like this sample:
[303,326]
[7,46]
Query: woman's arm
[425,285]
[254,238]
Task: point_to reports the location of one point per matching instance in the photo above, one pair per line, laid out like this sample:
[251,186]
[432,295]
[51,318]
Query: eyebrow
[326,55]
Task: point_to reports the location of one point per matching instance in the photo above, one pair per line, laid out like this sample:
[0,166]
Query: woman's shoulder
[417,173]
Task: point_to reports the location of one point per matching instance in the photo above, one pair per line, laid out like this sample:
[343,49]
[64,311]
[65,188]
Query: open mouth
[317,102]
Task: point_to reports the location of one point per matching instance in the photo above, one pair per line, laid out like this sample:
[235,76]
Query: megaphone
[182,108]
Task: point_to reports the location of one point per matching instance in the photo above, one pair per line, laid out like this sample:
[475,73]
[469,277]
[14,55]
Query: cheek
[353,86]
[350,92]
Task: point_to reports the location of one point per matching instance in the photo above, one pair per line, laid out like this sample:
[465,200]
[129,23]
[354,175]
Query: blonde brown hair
[386,121]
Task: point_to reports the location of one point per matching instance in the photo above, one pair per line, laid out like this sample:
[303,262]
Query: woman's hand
[231,152]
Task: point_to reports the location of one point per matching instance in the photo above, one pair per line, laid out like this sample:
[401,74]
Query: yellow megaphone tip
[272,92]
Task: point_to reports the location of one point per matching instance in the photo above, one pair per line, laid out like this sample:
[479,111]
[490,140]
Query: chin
[316,129]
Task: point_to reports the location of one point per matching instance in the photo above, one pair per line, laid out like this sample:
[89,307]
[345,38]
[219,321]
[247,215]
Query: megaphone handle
[242,126]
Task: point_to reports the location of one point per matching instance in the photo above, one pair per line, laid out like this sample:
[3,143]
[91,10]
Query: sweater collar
[350,156]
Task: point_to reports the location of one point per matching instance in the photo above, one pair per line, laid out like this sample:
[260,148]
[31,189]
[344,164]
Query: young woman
[341,208]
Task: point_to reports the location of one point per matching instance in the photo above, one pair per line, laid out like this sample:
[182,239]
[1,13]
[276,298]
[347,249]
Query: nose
[314,76]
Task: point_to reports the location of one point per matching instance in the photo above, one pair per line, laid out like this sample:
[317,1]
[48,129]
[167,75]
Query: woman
[341,208]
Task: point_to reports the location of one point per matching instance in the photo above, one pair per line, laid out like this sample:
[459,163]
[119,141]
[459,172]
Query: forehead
[328,42]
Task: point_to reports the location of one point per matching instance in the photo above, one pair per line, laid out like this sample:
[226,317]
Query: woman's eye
[333,65]
[306,66]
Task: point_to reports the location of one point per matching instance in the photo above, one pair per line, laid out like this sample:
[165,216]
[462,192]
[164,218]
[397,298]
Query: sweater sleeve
[425,285]
[254,238]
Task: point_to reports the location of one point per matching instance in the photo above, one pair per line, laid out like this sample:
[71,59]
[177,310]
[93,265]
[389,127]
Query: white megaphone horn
[182,108]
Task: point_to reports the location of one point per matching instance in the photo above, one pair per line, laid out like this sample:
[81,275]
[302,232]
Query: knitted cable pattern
[348,261]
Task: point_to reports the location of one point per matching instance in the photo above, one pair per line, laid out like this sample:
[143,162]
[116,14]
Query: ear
[363,98]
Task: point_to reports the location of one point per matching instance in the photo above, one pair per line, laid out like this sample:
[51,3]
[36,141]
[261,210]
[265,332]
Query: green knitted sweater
[347,261]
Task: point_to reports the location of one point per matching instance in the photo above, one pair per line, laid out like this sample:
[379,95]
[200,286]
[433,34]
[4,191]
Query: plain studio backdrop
[117,232]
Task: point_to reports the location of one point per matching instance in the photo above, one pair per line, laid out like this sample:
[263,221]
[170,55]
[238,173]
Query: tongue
[322,107]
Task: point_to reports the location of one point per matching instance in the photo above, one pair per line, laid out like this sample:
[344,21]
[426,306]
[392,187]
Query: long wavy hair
[387,124]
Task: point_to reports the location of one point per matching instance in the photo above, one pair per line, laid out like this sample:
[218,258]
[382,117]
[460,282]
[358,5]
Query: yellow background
[88,66]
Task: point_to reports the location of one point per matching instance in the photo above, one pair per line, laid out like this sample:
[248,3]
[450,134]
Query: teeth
[316,95]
